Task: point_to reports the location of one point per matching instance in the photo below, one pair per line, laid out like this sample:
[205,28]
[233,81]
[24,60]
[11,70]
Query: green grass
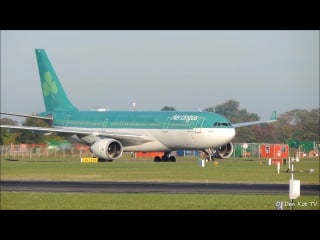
[85,201]
[248,170]
[232,170]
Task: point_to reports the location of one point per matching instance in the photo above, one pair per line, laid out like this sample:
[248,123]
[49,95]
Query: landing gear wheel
[167,157]
[209,154]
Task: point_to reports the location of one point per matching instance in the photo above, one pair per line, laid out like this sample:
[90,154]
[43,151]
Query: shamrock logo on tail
[49,86]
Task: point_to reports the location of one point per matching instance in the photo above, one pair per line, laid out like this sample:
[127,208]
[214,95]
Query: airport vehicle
[110,133]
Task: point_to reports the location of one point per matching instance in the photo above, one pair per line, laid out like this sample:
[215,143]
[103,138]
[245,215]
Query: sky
[187,69]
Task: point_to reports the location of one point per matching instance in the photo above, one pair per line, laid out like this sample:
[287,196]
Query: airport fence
[42,150]
[67,150]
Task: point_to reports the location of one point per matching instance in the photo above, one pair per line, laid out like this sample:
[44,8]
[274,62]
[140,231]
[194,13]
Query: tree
[167,108]
[5,136]
[25,136]
[265,133]
[230,110]
[37,122]
[209,109]
[299,124]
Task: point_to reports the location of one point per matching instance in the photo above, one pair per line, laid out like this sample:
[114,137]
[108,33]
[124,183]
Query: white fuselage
[175,139]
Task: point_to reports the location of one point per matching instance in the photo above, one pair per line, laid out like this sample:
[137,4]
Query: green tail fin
[55,99]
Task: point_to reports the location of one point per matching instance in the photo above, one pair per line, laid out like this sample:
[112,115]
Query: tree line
[297,124]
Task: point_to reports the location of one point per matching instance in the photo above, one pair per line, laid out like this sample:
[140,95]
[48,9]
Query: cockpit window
[218,124]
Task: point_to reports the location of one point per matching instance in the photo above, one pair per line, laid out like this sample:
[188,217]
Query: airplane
[110,133]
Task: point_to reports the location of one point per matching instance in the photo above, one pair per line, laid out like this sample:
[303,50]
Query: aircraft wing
[127,139]
[273,118]
[243,124]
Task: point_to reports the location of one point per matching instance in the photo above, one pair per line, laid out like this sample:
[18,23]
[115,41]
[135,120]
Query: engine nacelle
[108,149]
[224,151]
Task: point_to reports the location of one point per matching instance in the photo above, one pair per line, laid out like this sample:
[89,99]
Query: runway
[154,187]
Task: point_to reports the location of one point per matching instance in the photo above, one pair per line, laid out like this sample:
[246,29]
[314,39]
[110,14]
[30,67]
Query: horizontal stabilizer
[29,116]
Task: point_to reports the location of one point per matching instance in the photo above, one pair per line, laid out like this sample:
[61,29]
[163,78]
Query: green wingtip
[274,115]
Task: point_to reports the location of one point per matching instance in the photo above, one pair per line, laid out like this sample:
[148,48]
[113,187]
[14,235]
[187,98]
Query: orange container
[148,154]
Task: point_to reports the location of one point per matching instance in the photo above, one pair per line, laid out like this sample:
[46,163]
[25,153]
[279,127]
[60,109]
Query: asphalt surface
[154,187]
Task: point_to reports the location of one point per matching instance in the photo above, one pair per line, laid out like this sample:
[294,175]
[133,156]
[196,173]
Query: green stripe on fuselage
[138,119]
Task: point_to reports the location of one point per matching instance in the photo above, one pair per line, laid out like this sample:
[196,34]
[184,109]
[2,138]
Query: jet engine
[224,151]
[108,149]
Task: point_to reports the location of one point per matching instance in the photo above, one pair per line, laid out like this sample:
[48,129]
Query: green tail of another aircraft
[55,98]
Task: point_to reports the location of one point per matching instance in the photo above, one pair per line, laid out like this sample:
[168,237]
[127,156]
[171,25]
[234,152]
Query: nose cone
[225,136]
[231,133]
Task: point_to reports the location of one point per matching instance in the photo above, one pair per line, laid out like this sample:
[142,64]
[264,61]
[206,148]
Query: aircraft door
[66,118]
[104,124]
[166,124]
[199,124]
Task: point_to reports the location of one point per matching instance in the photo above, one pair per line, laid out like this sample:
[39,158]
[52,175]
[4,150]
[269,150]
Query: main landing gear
[167,157]
[209,154]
